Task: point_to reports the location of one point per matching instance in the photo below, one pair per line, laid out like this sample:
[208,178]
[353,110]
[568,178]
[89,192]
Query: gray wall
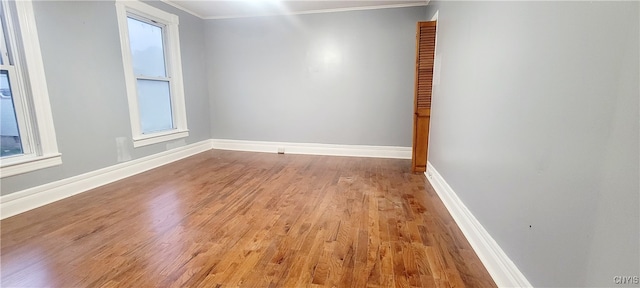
[535,122]
[83,65]
[333,78]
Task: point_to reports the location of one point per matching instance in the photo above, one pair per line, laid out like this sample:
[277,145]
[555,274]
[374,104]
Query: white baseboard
[314,149]
[503,271]
[35,197]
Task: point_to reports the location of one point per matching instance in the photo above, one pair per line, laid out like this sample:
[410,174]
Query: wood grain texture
[240,219]
[425,53]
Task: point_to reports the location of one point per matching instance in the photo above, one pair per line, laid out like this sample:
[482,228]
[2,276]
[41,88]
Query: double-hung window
[28,140]
[153,72]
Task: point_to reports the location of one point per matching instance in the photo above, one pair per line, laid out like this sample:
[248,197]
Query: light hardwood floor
[224,218]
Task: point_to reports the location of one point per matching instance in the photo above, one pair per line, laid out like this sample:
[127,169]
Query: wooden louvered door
[425,52]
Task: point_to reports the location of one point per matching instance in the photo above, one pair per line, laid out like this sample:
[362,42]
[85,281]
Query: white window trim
[174,65]
[46,155]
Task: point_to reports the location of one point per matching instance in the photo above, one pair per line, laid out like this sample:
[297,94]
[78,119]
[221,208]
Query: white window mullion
[142,77]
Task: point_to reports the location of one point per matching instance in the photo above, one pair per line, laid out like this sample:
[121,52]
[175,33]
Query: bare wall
[83,65]
[535,125]
[333,78]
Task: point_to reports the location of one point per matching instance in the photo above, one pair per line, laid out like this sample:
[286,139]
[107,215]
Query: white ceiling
[219,9]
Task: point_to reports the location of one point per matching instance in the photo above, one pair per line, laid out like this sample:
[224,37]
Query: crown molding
[358,8]
[175,5]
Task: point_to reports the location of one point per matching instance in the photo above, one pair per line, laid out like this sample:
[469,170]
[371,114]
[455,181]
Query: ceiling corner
[178,6]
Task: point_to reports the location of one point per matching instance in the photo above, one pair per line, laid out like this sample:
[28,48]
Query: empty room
[280,143]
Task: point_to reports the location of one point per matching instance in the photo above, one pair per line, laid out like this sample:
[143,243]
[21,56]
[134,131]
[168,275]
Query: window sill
[149,139]
[26,164]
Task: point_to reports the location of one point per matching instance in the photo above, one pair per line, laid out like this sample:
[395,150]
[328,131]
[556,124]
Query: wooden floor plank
[240,219]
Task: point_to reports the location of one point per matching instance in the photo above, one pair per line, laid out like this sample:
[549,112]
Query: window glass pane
[154,103]
[10,143]
[147,49]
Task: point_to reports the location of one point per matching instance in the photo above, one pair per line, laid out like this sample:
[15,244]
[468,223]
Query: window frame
[29,92]
[173,65]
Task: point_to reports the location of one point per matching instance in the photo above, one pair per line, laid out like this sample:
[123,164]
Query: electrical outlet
[280,150]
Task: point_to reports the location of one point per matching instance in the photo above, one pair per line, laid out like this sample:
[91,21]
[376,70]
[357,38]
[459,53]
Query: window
[27,134]
[153,73]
